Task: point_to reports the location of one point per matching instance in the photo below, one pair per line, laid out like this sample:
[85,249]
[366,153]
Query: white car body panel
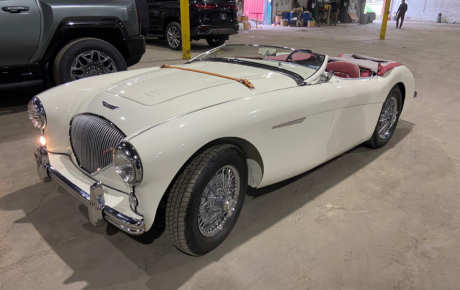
[168,115]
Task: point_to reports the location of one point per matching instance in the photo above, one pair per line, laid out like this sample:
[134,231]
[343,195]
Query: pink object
[344,69]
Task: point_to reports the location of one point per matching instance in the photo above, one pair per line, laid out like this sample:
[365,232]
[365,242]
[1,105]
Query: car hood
[137,100]
[162,85]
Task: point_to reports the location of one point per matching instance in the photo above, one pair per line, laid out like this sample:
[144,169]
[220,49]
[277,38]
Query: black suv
[210,20]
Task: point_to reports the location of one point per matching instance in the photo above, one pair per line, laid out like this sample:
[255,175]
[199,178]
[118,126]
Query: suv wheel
[215,41]
[86,57]
[173,36]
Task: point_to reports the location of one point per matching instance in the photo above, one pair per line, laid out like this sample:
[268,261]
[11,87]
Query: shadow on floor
[104,257]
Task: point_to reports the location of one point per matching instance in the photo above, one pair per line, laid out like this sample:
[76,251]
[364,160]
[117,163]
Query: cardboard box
[244,18]
[246,25]
[284,23]
[239,19]
[311,23]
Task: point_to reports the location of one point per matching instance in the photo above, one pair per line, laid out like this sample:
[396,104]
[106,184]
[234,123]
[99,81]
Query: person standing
[401,13]
[334,12]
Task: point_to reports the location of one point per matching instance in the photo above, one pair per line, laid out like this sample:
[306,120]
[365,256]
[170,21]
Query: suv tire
[173,36]
[143,14]
[86,57]
[215,41]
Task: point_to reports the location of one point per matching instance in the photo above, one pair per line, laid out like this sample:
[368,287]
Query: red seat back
[344,69]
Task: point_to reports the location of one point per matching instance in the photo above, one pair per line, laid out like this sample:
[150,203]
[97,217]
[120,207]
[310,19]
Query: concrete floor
[369,219]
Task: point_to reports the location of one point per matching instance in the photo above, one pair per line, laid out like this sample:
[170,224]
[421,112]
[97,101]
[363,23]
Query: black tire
[65,58]
[174,40]
[185,198]
[144,16]
[377,141]
[215,41]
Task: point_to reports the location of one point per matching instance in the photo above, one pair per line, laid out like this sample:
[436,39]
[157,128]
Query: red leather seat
[344,69]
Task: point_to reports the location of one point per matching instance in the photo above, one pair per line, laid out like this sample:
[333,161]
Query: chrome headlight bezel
[133,160]
[37,113]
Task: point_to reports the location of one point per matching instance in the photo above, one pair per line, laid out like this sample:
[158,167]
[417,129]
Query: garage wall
[427,10]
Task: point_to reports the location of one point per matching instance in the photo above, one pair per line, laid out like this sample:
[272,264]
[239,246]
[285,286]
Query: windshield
[297,63]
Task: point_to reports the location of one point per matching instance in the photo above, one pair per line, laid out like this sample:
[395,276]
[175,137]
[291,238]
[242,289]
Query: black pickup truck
[210,20]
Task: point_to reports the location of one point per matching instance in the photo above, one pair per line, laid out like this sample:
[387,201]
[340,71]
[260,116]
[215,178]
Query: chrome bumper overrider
[97,210]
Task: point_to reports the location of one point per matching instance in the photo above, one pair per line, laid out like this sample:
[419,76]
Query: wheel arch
[168,20]
[254,162]
[402,88]
[106,29]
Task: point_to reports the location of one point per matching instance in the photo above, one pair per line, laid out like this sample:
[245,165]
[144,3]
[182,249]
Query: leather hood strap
[245,82]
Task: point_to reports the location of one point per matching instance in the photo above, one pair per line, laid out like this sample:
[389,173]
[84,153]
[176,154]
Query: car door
[358,107]
[159,10]
[19,31]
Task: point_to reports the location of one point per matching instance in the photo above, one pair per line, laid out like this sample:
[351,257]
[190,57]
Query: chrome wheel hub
[218,201]
[173,36]
[388,117]
[91,63]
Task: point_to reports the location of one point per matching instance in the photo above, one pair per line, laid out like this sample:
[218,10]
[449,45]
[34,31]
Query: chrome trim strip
[127,224]
[290,123]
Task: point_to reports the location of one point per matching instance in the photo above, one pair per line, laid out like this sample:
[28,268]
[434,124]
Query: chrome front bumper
[94,201]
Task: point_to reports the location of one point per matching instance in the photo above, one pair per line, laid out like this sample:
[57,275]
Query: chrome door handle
[15,9]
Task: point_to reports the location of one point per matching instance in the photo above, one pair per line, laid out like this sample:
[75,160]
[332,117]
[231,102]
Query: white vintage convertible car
[190,139]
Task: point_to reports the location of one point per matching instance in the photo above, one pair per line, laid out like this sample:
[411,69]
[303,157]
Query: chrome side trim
[298,121]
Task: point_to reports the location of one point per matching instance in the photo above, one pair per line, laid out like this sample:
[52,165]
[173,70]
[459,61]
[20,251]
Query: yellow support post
[185,28]
[383,30]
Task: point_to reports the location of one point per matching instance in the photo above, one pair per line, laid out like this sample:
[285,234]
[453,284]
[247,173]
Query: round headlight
[37,113]
[127,163]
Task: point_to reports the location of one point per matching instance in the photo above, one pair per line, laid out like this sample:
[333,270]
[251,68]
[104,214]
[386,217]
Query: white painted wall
[427,10]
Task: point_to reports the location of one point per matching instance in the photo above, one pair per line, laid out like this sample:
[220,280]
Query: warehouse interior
[366,219]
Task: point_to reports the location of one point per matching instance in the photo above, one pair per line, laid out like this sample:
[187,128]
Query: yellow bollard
[383,30]
[185,28]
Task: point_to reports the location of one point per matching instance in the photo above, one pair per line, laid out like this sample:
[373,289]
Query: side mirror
[328,76]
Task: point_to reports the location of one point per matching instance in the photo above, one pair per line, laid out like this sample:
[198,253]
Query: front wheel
[388,119]
[205,200]
[215,41]
[86,57]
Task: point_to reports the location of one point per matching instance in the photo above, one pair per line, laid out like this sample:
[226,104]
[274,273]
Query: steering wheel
[296,51]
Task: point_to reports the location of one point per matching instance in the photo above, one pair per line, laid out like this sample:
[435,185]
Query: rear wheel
[205,200]
[173,36]
[215,41]
[388,119]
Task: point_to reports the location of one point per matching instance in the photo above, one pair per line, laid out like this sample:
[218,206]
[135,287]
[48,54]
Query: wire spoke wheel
[91,63]
[388,117]
[218,201]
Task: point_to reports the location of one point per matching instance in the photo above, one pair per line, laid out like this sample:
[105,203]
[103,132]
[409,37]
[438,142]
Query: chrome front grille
[92,139]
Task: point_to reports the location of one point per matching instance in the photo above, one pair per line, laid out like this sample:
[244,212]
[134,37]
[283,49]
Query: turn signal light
[43,140]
